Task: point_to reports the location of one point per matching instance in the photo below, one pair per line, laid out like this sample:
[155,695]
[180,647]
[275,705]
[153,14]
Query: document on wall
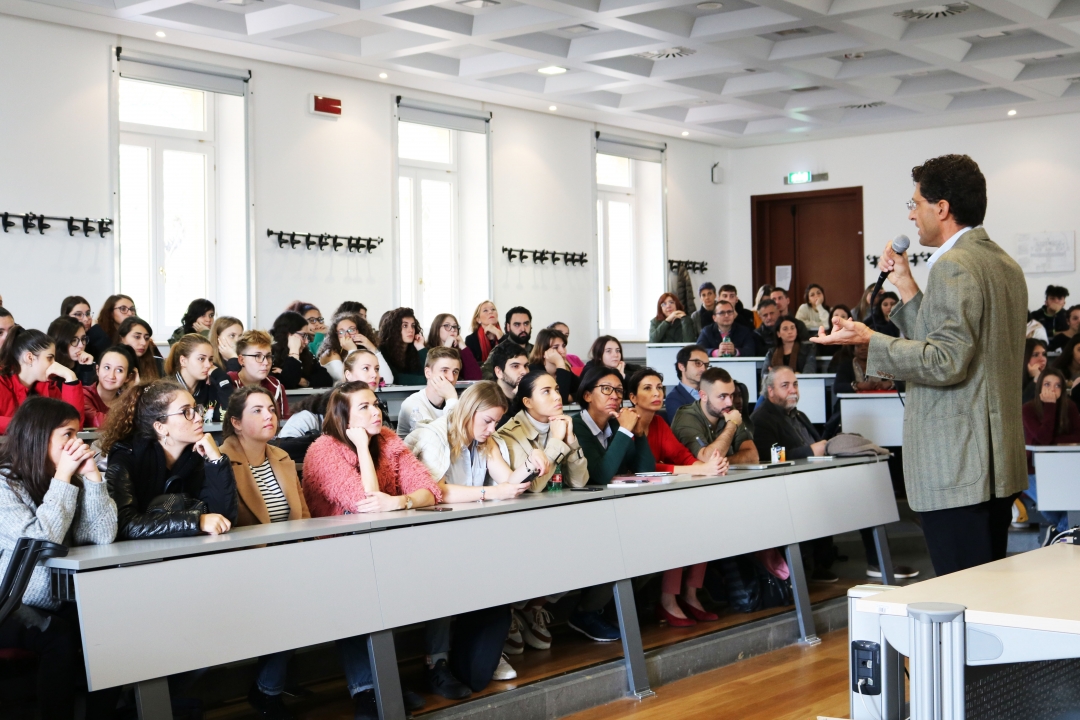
[783,277]
[1046,252]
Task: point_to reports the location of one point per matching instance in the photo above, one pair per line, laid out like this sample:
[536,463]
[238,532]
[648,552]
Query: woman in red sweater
[28,367]
[115,372]
[1050,419]
[645,388]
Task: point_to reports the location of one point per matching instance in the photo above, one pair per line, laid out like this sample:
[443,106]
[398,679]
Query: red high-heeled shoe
[664,616]
[699,615]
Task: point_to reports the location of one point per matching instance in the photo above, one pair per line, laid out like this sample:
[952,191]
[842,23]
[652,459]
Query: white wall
[1032,168]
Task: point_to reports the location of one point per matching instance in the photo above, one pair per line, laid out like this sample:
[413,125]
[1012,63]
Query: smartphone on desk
[434,508]
[587,488]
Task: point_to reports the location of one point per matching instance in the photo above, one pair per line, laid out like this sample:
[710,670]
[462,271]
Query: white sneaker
[514,645]
[504,671]
[533,624]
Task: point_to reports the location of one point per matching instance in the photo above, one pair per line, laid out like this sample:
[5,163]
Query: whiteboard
[1046,252]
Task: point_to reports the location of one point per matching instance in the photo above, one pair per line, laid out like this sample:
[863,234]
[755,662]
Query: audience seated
[549,355]
[1062,338]
[191,364]
[253,352]
[106,331]
[294,364]
[223,336]
[70,338]
[1051,418]
[115,372]
[576,363]
[348,332]
[510,363]
[439,394]
[703,316]
[814,313]
[690,363]
[137,334]
[713,425]
[885,302]
[486,332]
[744,317]
[783,304]
[671,325]
[1050,315]
[316,324]
[606,352]
[851,373]
[198,319]
[799,355]
[768,313]
[6,323]
[1034,363]
[724,337]
[517,331]
[1069,363]
[861,312]
[353,307]
[400,341]
[307,415]
[165,473]
[28,367]
[50,489]
[445,332]
[76,306]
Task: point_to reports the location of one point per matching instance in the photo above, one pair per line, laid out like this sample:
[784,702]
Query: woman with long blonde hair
[486,332]
[223,336]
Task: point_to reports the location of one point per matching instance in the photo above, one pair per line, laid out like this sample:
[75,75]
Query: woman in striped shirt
[268,491]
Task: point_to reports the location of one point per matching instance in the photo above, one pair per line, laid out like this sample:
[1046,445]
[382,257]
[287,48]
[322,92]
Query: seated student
[256,358]
[549,355]
[106,331]
[707,296]
[724,337]
[50,489]
[295,364]
[814,313]
[167,476]
[884,304]
[510,363]
[729,293]
[316,323]
[1050,315]
[486,332]
[1034,364]
[690,363]
[115,371]
[851,373]
[671,324]
[1062,338]
[766,332]
[438,395]
[348,332]
[6,323]
[191,363]
[606,352]
[223,336]
[862,311]
[70,338]
[576,363]
[137,334]
[268,491]
[714,424]
[77,307]
[789,350]
[460,453]
[1069,364]
[518,331]
[307,415]
[1050,419]
[445,332]
[783,304]
[400,342]
[28,367]
[199,318]
[352,307]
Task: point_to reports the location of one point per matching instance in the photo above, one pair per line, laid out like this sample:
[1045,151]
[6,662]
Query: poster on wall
[783,277]
[1046,252]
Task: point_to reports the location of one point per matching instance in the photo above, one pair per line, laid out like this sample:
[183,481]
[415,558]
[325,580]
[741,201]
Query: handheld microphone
[900,245]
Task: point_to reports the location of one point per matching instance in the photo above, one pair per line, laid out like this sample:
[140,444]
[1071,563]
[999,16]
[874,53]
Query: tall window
[443,225]
[182,229]
[630,230]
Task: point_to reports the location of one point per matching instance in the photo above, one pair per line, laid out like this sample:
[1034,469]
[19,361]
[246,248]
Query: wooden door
[819,234]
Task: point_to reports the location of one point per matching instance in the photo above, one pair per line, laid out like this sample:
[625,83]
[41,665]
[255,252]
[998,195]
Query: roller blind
[607,144]
[184,73]
[446,116]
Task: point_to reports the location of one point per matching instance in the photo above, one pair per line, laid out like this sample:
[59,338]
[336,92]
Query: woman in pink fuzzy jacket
[360,466]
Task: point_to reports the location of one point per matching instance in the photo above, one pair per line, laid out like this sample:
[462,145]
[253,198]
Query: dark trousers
[477,644]
[963,537]
[54,638]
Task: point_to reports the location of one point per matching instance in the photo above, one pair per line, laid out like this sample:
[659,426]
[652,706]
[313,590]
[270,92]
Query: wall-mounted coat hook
[324,242]
[88,228]
[33,221]
[28,222]
[42,225]
[72,226]
[336,244]
[542,256]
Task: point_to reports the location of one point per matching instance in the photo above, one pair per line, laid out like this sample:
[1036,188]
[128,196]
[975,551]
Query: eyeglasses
[258,357]
[448,326]
[124,309]
[696,362]
[79,314]
[347,331]
[725,312]
[79,341]
[315,320]
[189,413]
[608,389]
[911,205]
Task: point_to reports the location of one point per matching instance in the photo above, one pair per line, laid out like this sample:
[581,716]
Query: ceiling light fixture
[933,12]
[478,4]
[863,106]
[709,6]
[551,70]
[382,76]
[1011,113]
[685,133]
[666,53]
[552,108]
[160,33]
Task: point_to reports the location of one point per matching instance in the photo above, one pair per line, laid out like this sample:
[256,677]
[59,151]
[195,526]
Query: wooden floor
[569,652]
[793,683]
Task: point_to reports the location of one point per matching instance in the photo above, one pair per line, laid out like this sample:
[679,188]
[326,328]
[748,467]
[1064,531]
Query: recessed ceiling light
[709,6]
[478,4]
[1011,113]
[552,108]
[685,133]
[159,33]
[382,76]
[551,70]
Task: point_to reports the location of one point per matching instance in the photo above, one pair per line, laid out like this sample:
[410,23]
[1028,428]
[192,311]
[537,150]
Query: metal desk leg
[152,699]
[633,652]
[803,611]
[881,542]
[384,672]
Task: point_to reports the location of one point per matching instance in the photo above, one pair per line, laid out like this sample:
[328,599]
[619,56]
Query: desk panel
[879,417]
[1058,475]
[744,370]
[661,357]
[812,396]
[153,620]
[840,499]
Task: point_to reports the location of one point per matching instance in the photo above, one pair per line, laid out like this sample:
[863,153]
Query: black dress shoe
[442,682]
[269,707]
[364,706]
[413,701]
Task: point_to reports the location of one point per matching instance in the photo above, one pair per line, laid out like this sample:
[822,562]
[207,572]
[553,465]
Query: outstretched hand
[845,332]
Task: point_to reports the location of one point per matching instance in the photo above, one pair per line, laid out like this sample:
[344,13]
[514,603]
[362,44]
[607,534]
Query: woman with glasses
[167,476]
[445,332]
[348,333]
[199,318]
[671,324]
[316,323]
[400,341]
[114,311]
[115,371]
[253,352]
[191,363]
[70,338]
[28,367]
[76,306]
[549,355]
[137,334]
[609,434]
[223,336]
[294,364]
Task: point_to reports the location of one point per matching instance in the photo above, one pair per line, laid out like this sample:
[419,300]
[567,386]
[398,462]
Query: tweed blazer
[963,427]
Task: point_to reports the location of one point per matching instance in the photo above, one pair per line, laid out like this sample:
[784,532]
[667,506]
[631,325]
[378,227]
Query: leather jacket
[137,477]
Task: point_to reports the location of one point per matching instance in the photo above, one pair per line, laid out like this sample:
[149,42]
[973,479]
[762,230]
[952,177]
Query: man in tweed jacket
[963,343]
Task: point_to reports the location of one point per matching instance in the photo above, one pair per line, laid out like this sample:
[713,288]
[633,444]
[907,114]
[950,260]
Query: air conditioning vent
[666,53]
[863,106]
[933,12]
[792,31]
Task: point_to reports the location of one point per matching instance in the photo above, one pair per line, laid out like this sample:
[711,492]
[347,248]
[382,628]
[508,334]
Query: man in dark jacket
[723,337]
[1050,315]
[766,334]
[743,316]
[707,295]
[518,330]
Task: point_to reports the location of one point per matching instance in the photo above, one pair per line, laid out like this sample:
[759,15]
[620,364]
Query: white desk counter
[813,395]
[877,416]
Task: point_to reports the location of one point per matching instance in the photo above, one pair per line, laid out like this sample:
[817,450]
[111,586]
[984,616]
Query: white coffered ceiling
[735,72]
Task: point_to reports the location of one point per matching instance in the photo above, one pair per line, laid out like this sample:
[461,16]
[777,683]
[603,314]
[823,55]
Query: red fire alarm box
[322,105]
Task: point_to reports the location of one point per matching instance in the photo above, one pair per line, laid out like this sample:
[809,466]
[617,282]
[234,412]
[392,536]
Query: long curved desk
[359,574]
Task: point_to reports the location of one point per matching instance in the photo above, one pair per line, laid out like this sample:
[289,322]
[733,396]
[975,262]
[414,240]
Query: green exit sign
[798,178]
